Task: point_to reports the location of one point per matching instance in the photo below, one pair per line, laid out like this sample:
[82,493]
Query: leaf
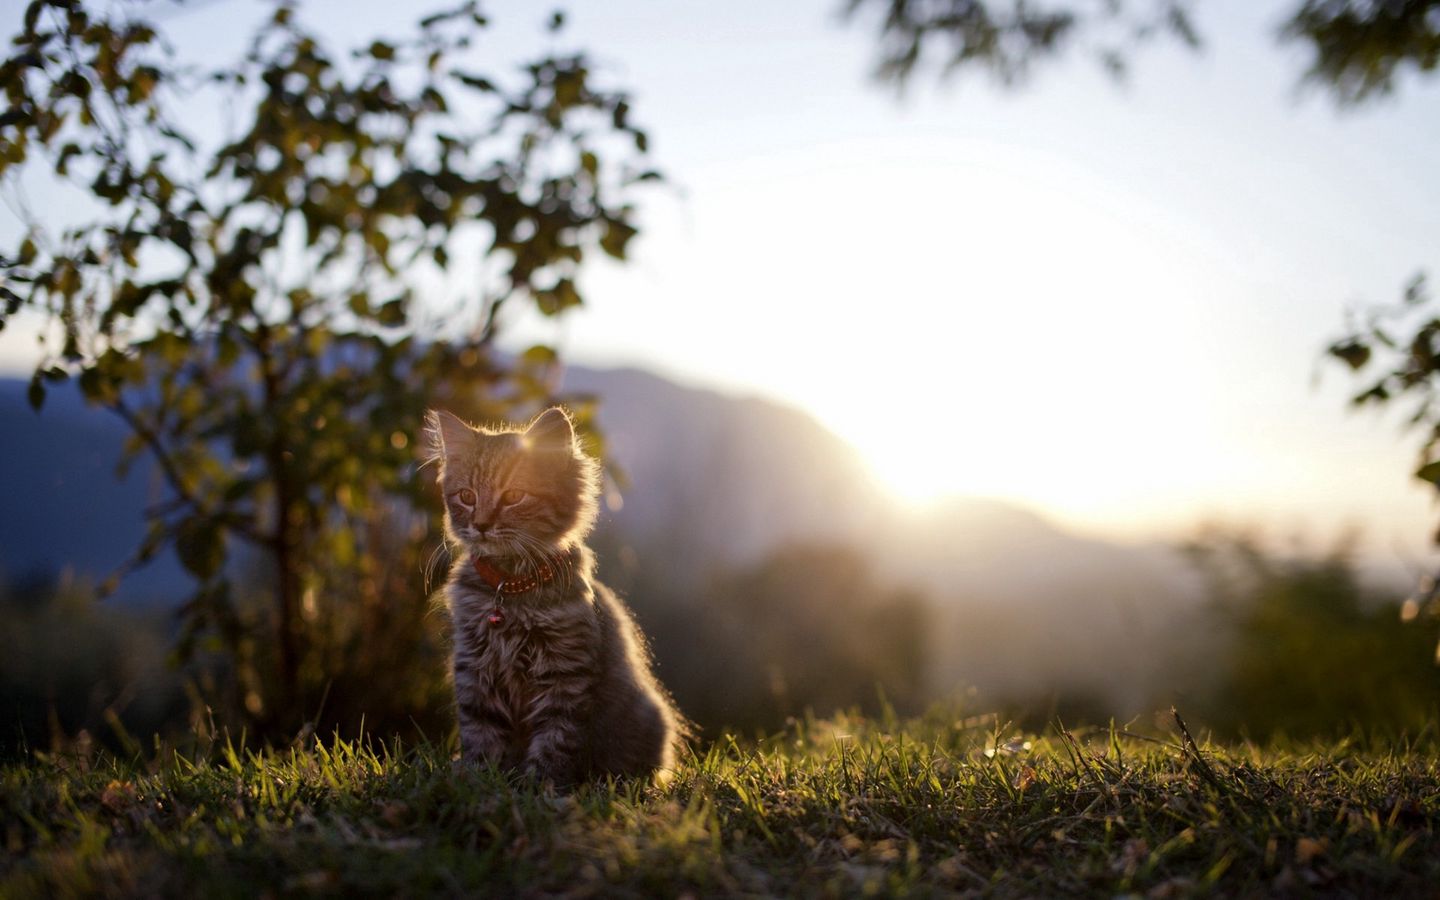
[36,393]
[1415,293]
[239,489]
[559,298]
[1351,352]
[477,82]
[391,312]
[90,385]
[247,436]
[200,546]
[616,237]
[539,355]
[13,302]
[1429,472]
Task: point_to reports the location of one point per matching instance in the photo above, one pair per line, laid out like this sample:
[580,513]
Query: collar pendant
[497,615]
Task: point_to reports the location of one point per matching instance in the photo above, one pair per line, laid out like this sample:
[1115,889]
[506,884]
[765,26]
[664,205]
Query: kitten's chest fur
[505,672]
[516,656]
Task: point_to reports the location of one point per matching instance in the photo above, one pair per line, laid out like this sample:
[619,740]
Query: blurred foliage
[72,669]
[1362,46]
[811,628]
[1311,651]
[250,309]
[1007,37]
[1359,47]
[74,672]
[806,628]
[1395,350]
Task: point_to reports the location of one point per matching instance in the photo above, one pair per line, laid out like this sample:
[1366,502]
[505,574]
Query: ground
[842,807]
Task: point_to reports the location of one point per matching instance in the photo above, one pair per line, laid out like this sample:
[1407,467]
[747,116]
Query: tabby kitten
[551,673]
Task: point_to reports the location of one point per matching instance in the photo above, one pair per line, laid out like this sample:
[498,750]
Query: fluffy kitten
[551,673]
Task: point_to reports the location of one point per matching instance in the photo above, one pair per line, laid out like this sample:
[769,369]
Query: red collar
[505,583]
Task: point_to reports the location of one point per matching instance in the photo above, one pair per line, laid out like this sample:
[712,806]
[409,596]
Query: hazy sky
[1104,302]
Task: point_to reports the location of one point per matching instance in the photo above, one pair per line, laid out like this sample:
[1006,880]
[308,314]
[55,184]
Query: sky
[1103,302]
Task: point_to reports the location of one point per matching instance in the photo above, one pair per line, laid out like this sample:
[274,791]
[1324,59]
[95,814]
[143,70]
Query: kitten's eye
[466,496]
[512,497]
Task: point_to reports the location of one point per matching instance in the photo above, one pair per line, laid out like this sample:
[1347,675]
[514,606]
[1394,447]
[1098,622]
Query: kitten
[551,673]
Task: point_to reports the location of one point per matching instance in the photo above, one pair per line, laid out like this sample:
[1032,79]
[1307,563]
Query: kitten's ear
[552,430]
[447,432]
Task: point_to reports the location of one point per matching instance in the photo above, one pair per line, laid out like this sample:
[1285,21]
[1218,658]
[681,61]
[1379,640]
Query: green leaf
[1430,472]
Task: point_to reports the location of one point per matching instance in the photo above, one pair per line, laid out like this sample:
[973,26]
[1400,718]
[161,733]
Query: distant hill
[726,477]
[714,481]
[1024,607]
[62,508]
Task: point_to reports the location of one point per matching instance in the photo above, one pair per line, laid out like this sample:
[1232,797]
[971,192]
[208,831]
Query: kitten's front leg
[485,729]
[555,720]
[484,734]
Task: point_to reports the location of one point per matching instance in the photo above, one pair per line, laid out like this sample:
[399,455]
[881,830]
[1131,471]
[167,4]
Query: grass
[835,808]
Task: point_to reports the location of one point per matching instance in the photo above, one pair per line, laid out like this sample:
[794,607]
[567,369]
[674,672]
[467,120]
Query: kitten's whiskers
[429,571]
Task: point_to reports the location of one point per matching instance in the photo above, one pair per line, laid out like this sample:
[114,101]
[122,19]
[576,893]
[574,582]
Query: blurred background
[1064,362]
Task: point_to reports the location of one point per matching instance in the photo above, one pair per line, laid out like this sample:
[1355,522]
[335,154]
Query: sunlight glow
[983,321]
[988,320]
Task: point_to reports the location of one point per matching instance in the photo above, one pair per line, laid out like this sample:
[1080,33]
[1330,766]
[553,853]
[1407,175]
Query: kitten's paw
[472,767]
[460,766]
[551,779]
